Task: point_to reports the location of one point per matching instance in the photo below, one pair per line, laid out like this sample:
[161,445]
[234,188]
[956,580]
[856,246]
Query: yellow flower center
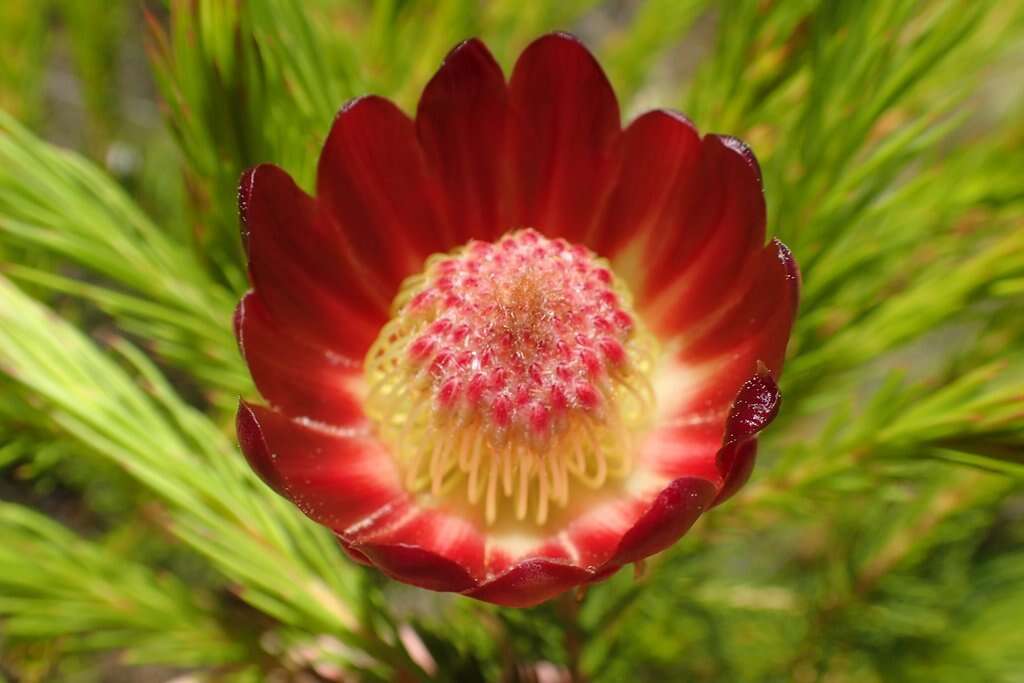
[511,373]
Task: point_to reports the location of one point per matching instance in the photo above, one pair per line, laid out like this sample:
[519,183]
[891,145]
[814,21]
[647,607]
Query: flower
[510,347]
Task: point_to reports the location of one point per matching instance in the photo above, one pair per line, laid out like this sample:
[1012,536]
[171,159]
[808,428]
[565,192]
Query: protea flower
[510,347]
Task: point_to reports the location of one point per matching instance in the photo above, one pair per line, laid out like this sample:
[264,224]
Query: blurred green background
[882,535]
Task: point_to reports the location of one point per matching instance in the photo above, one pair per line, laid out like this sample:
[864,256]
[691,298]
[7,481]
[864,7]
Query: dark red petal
[792,270]
[704,259]
[567,136]
[743,149]
[353,554]
[336,478]
[756,405]
[718,446]
[762,316]
[754,329]
[451,548]
[530,583]
[255,449]
[419,567]
[373,178]
[299,378]
[462,123]
[299,266]
[660,150]
[670,516]
[737,461]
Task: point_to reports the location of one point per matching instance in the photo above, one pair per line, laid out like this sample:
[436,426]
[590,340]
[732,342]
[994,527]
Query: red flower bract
[509,346]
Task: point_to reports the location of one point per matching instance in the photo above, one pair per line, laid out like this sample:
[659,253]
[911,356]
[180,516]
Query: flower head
[509,346]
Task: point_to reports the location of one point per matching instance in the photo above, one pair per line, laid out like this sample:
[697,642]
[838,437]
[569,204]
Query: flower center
[511,371]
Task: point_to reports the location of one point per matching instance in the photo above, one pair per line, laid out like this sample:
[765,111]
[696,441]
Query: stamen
[492,491]
[509,371]
[525,465]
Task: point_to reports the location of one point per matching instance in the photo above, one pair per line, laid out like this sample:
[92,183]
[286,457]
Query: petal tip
[558,36]
[792,269]
[676,116]
[556,46]
[358,104]
[755,406]
[351,123]
[744,150]
[255,182]
[245,186]
[353,103]
[470,46]
[238,321]
[353,109]
[254,446]
[469,69]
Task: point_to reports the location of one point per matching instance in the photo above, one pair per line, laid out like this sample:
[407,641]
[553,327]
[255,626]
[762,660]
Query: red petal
[762,316]
[373,177]
[685,450]
[530,583]
[299,378]
[566,136]
[661,150]
[755,329]
[743,149]
[756,405]
[595,535]
[425,546]
[718,447]
[462,124]
[738,463]
[419,567]
[353,554]
[670,516]
[704,259]
[792,270]
[254,446]
[299,266]
[337,479]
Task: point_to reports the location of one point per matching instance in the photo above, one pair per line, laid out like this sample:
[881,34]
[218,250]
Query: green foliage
[23,42]
[76,588]
[283,566]
[157,289]
[880,536]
